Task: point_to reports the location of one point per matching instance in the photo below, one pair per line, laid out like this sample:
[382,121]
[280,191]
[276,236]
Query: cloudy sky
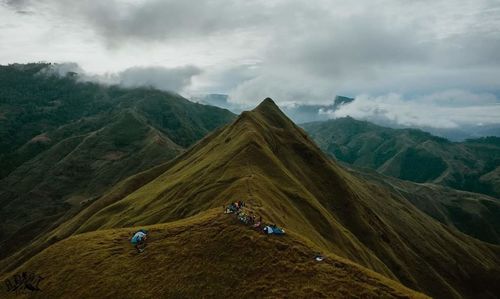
[422,62]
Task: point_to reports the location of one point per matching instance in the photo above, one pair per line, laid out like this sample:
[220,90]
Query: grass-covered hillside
[474,214]
[64,142]
[210,255]
[412,155]
[267,161]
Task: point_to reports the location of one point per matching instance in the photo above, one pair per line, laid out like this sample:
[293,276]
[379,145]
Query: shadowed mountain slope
[267,161]
[210,255]
[475,214]
[74,172]
[409,154]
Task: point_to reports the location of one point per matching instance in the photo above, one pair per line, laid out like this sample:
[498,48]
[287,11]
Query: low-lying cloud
[173,79]
[449,109]
[167,79]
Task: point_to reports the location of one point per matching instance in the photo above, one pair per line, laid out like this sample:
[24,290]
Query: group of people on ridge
[251,219]
[234,207]
[139,237]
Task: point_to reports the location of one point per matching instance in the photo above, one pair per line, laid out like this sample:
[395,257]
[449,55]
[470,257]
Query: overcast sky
[399,57]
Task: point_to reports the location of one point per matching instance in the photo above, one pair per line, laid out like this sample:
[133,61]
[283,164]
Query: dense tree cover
[35,101]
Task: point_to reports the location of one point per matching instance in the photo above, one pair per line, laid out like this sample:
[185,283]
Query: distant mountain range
[64,143]
[304,113]
[410,154]
[300,113]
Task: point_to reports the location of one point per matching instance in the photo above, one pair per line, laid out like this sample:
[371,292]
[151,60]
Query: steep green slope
[474,214]
[74,172]
[63,143]
[210,255]
[412,154]
[267,161]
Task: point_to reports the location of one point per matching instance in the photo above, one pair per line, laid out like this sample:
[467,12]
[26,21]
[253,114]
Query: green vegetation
[63,143]
[412,154]
[474,214]
[421,166]
[265,160]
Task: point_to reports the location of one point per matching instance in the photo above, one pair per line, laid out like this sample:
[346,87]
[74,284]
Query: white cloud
[168,79]
[448,109]
[285,88]
[172,79]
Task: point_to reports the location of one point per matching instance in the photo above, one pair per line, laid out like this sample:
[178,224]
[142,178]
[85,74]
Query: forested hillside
[63,142]
[414,155]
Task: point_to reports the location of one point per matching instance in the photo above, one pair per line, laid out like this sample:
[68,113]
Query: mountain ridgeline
[266,160]
[409,154]
[64,142]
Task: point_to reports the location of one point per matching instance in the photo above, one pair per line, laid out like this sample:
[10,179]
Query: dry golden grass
[211,255]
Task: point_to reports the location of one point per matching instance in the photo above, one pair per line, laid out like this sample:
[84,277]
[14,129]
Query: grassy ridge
[266,160]
[210,254]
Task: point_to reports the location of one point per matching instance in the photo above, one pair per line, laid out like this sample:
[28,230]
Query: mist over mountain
[339,107]
[300,113]
[454,114]
[162,78]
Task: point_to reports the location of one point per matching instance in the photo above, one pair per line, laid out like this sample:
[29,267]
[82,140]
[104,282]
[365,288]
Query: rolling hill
[409,154]
[64,142]
[269,162]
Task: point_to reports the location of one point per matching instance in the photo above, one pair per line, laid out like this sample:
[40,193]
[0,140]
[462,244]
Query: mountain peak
[268,100]
[267,104]
[272,114]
